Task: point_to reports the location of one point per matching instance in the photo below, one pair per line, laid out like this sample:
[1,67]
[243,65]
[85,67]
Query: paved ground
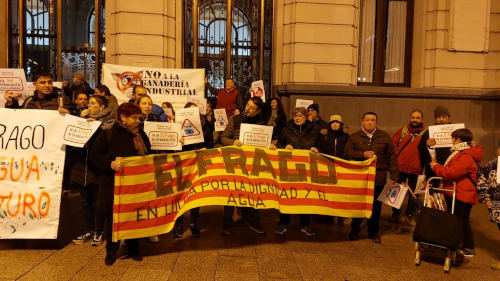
[247,256]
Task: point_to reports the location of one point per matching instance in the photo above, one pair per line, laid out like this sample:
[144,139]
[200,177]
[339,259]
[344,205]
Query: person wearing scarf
[97,110]
[125,138]
[406,141]
[461,167]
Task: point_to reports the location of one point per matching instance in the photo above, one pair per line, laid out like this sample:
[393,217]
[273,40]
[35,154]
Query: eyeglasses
[298,115]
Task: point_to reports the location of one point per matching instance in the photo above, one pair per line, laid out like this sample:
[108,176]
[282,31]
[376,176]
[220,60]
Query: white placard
[442,134]
[303,103]
[32,160]
[498,170]
[78,131]
[200,102]
[13,80]
[421,186]
[393,194]
[220,119]
[163,135]
[163,84]
[189,118]
[258,90]
[256,135]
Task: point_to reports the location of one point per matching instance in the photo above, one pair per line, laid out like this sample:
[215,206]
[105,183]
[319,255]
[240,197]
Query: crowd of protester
[404,156]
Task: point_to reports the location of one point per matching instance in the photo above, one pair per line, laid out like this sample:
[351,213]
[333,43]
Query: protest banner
[163,135]
[152,191]
[256,135]
[191,128]
[163,84]
[13,80]
[77,131]
[220,117]
[258,90]
[442,133]
[31,170]
[393,194]
[303,103]
[200,102]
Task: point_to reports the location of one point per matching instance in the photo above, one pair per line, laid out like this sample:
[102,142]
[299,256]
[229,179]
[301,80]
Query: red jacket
[408,155]
[463,164]
[227,100]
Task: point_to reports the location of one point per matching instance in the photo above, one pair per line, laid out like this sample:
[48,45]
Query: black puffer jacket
[332,142]
[300,137]
[50,101]
[109,144]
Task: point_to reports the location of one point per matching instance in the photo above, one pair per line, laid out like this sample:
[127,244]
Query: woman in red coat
[461,167]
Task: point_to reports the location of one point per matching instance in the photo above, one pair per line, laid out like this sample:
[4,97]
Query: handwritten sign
[393,194]
[220,119]
[258,90]
[31,170]
[78,131]
[13,80]
[303,103]
[163,136]
[189,118]
[256,135]
[442,133]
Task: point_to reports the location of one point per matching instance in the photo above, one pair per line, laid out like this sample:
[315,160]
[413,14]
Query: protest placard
[31,165]
[258,90]
[162,84]
[303,103]
[393,194]
[189,118]
[163,135]
[200,102]
[13,80]
[442,133]
[256,135]
[421,184]
[220,117]
[78,131]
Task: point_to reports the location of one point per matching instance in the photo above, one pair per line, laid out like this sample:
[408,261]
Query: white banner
[256,135]
[78,131]
[31,170]
[258,90]
[13,80]
[163,135]
[220,117]
[303,103]
[393,194]
[189,118]
[442,133]
[172,85]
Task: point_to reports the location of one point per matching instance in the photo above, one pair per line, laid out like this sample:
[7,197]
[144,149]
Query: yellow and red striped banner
[153,190]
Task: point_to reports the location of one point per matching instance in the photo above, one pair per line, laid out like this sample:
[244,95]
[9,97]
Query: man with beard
[230,136]
[406,141]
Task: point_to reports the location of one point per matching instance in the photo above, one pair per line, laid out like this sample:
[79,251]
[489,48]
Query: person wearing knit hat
[441,111]
[315,119]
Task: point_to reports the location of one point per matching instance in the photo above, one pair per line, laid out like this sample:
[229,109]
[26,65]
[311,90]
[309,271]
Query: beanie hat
[314,107]
[440,111]
[336,117]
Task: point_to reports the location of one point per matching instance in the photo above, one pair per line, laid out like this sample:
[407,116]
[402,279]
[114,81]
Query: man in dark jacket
[315,119]
[230,136]
[78,85]
[365,144]
[406,141]
[46,96]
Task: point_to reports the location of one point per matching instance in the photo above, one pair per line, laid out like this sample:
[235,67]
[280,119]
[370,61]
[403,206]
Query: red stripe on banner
[135,188]
[184,163]
[137,170]
[147,223]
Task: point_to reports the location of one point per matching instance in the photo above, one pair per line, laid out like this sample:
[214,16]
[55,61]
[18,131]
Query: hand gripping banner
[152,191]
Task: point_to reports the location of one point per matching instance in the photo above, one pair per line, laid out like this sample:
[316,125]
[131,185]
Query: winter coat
[232,131]
[489,189]
[230,101]
[332,142]
[406,147]
[457,169]
[381,144]
[300,137]
[109,144]
[50,101]
[320,124]
[112,105]
[442,154]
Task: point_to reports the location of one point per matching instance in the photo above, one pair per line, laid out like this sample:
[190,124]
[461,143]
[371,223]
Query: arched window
[91,28]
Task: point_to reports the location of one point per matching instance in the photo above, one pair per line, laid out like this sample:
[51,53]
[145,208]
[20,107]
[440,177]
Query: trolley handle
[442,189]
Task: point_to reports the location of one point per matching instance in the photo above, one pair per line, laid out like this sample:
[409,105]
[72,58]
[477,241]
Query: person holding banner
[230,136]
[488,185]
[365,144]
[299,133]
[125,138]
[46,96]
[139,91]
[461,167]
[314,118]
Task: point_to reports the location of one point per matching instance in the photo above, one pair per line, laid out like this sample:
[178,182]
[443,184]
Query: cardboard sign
[256,135]
[442,133]
[78,131]
[200,102]
[163,135]
[220,119]
[13,80]
[189,118]
[393,194]
[303,103]
[258,90]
